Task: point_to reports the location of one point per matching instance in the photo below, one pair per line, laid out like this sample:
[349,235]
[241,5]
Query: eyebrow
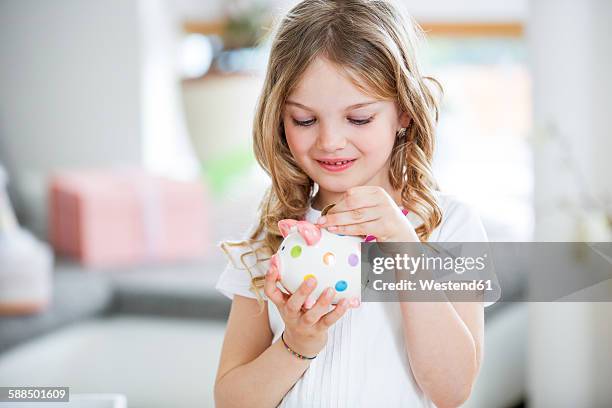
[355,106]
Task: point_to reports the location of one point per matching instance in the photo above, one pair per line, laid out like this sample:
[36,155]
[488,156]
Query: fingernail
[329,293]
[310,282]
[321,220]
[332,228]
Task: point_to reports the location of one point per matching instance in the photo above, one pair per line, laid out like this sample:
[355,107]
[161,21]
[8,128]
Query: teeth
[337,163]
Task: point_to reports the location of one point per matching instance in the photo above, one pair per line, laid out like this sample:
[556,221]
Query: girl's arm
[444,346]
[252,372]
[443,339]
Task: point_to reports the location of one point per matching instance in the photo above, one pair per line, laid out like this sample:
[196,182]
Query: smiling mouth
[336,163]
[336,166]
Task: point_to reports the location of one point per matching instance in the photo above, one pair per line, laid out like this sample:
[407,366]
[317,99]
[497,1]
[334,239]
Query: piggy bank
[308,250]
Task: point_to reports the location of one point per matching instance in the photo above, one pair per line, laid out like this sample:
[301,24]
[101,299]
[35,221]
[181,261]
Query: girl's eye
[358,122]
[303,123]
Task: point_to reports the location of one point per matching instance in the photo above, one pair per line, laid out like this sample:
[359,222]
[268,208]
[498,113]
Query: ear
[285,226]
[310,232]
[404,119]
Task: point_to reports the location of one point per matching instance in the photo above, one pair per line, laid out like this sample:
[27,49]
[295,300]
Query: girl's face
[328,120]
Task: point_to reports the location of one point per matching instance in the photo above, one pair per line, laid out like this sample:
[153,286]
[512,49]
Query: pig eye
[283,248]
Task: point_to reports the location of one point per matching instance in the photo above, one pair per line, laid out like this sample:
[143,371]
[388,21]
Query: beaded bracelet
[298,355]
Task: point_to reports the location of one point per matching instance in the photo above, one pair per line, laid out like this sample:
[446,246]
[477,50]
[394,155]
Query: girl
[346,117]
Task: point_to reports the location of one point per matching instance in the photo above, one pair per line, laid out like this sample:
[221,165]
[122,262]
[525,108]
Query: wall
[432,10]
[571,54]
[70,80]
[88,84]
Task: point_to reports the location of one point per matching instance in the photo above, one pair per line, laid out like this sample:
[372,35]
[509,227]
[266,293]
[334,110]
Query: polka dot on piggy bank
[329,259]
[341,286]
[353,260]
[296,251]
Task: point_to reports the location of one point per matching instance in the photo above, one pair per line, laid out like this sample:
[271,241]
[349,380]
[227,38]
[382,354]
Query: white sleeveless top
[364,363]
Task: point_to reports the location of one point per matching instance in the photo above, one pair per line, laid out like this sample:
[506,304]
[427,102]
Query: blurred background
[126,156]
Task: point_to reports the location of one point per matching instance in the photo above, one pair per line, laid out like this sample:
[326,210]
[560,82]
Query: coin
[326,209]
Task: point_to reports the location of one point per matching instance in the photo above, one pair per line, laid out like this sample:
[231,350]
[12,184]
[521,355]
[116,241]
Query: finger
[355,216]
[332,317]
[357,197]
[320,307]
[294,304]
[273,293]
[363,228]
[309,302]
[352,208]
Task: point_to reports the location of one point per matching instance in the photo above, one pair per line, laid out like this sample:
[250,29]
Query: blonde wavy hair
[375,43]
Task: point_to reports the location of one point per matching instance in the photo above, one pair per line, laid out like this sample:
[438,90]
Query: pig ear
[311,233]
[285,226]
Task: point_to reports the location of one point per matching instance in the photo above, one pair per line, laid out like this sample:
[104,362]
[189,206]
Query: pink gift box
[110,218]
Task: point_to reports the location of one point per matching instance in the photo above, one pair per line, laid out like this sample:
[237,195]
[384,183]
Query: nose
[330,140]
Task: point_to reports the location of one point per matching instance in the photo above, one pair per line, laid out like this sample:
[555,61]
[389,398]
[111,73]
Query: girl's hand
[369,210]
[305,330]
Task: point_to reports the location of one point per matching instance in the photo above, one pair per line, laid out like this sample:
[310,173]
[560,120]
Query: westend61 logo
[422,271]
[489,271]
[412,264]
